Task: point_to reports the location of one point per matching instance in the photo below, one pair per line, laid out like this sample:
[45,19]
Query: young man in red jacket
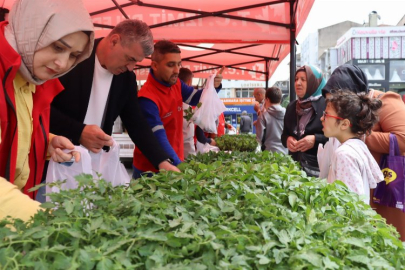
[161,100]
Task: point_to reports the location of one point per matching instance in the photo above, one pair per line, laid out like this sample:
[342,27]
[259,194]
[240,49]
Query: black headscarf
[348,77]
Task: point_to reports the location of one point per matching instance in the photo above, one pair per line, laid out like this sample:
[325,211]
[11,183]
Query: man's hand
[256,107]
[166,165]
[305,143]
[59,143]
[94,138]
[213,143]
[218,78]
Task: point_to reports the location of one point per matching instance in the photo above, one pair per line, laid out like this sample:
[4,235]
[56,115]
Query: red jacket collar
[158,84]
[8,56]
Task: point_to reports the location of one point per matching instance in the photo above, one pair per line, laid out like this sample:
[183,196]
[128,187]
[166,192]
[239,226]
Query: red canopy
[249,37]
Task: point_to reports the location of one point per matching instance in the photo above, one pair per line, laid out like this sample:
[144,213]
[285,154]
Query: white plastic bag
[188,135]
[58,171]
[211,108]
[324,156]
[232,132]
[107,164]
[205,148]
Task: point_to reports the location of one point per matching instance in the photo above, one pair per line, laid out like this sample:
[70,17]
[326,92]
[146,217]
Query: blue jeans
[40,194]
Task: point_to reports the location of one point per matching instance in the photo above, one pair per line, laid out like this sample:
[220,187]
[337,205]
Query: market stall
[249,38]
[225,211]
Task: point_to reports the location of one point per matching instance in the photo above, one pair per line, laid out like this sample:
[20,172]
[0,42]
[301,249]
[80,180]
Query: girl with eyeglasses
[348,117]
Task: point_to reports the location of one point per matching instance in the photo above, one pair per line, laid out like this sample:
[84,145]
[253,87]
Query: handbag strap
[394,147]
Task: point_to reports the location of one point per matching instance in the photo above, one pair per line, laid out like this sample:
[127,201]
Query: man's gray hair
[244,113]
[135,31]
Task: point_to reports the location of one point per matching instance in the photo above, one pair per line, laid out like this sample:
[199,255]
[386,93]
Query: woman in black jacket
[302,131]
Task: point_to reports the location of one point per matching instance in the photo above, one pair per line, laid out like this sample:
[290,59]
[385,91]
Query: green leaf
[284,238]
[155,236]
[263,259]
[104,264]
[175,222]
[216,245]
[117,246]
[254,248]
[240,260]
[36,187]
[96,223]
[68,206]
[61,262]
[40,234]
[329,264]
[292,198]
[355,242]
[48,205]
[75,233]
[311,257]
[279,255]
[359,259]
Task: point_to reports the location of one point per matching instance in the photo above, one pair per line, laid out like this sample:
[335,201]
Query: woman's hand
[305,143]
[291,144]
[59,143]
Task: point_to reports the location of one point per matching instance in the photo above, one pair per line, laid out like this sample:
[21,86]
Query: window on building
[397,76]
[244,93]
[397,71]
[225,93]
[374,72]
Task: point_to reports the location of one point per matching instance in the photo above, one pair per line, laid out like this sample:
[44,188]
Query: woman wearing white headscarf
[42,40]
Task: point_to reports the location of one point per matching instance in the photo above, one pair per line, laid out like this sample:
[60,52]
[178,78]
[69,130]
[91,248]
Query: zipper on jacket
[8,100]
[34,193]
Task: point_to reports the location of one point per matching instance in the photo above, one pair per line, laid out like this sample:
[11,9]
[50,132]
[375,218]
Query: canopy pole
[267,74]
[293,62]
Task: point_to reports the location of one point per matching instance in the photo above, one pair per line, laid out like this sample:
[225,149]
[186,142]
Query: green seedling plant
[189,113]
[242,142]
[242,210]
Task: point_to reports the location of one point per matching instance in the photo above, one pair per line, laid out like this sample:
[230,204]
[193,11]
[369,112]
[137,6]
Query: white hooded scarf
[35,24]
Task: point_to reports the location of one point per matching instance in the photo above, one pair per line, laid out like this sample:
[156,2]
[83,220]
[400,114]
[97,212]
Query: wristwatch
[169,160]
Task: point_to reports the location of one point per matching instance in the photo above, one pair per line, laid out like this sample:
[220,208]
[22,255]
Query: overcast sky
[328,12]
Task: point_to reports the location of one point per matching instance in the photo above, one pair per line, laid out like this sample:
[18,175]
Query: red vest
[170,104]
[10,62]
[221,125]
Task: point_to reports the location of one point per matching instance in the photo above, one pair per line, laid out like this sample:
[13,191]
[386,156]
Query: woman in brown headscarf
[302,131]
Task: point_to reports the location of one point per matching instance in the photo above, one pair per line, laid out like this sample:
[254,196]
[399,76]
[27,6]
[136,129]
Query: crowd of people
[61,87]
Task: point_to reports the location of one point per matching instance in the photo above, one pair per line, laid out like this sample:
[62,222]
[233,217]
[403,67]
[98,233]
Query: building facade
[309,49]
[316,48]
[379,52]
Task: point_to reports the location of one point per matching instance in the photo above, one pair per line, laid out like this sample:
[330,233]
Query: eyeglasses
[333,116]
[328,115]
